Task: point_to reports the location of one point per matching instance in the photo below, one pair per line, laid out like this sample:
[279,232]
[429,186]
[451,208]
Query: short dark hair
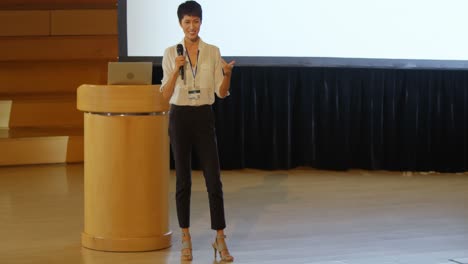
[189,8]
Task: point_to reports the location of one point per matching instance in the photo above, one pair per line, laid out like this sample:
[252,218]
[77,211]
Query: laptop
[125,73]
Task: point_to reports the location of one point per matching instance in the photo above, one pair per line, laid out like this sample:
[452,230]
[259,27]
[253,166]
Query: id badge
[194,93]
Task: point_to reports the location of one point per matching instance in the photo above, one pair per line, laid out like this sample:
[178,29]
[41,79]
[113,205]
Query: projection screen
[329,33]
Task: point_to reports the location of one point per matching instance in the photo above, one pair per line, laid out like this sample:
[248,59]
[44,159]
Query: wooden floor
[277,217]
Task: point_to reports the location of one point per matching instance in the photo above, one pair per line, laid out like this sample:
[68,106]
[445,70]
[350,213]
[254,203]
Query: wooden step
[25,23]
[5,110]
[32,48]
[39,110]
[22,146]
[50,76]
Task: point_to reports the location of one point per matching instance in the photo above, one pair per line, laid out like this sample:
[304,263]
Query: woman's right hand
[179,61]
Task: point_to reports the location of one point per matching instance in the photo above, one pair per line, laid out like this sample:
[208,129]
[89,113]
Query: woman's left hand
[227,67]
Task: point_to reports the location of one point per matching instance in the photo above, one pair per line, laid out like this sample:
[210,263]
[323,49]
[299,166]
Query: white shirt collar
[201,43]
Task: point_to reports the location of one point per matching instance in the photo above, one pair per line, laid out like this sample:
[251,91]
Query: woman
[193,74]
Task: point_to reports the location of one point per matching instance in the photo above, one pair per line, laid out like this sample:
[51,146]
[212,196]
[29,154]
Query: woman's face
[191,26]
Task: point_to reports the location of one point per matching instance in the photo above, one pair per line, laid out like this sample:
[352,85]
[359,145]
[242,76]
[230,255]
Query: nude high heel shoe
[221,247]
[186,254]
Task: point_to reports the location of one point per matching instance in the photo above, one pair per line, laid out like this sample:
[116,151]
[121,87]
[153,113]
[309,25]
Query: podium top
[121,99]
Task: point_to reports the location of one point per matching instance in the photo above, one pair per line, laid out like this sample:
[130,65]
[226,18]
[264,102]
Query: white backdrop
[388,29]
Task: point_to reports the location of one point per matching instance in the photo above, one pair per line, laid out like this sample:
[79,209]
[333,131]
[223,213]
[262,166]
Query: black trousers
[193,127]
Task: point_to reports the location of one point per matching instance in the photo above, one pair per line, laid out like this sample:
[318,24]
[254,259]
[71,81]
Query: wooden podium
[126,167]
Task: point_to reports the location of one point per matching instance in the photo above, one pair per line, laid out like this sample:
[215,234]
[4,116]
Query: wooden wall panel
[48,48]
[50,76]
[56,4]
[84,22]
[59,48]
[24,23]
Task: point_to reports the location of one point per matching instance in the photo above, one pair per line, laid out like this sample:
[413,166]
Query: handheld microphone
[180,51]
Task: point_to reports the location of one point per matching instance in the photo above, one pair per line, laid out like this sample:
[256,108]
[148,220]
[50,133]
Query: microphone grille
[180,49]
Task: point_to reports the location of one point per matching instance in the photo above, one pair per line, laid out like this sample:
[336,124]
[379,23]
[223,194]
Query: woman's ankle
[220,234]
[185,234]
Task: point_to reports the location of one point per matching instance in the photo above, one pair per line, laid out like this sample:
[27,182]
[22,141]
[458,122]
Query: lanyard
[194,71]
